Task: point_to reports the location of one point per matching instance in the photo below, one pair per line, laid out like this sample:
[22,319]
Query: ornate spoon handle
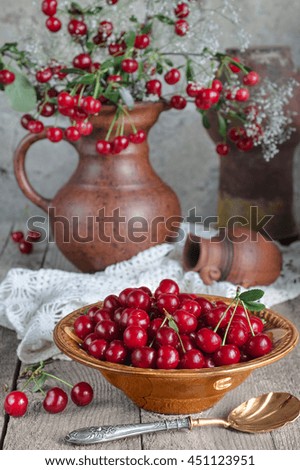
[93,434]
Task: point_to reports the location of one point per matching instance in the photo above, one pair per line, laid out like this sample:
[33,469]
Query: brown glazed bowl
[178,391]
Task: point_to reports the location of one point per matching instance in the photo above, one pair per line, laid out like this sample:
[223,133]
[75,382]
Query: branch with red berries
[113,64]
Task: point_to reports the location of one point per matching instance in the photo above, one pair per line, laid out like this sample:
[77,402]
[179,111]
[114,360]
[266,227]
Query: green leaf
[146,29]
[75,8]
[205,121]
[251,295]
[165,19]
[86,80]
[73,70]
[133,19]
[159,68]
[21,93]
[169,62]
[222,125]
[254,306]
[39,383]
[189,72]
[130,39]
[173,325]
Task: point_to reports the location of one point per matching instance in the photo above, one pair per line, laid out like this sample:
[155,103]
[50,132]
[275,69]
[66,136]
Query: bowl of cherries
[174,352]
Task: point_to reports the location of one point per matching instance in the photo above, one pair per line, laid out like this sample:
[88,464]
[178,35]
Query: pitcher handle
[20,170]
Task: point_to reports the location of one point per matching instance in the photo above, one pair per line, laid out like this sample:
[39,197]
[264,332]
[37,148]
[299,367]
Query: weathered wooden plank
[56,260]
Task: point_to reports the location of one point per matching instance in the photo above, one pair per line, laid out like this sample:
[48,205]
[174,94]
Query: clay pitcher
[240,256]
[113,206]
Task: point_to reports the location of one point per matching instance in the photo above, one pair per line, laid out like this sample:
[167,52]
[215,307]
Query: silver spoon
[261,414]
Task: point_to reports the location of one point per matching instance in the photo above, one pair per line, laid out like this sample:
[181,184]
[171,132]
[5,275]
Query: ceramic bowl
[178,391]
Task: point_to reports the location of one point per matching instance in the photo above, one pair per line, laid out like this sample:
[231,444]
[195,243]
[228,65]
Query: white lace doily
[32,302]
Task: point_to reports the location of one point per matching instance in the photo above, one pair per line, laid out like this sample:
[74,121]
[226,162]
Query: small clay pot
[240,256]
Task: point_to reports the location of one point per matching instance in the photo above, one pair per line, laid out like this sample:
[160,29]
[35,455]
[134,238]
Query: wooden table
[39,430]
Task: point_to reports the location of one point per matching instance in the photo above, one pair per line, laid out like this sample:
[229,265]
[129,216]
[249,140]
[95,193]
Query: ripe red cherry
[251,79]
[236,133]
[111,2]
[17,236]
[257,324]
[166,336]
[116,49]
[192,359]
[217,85]
[82,394]
[105,29]
[83,326]
[207,340]
[138,317]
[242,94]
[7,77]
[88,340]
[77,27]
[144,357]
[166,286]
[218,316]
[25,119]
[123,322]
[16,403]
[258,345]
[178,102]
[181,27]
[111,303]
[97,348]
[191,306]
[137,298]
[84,127]
[168,302]
[114,78]
[142,41]
[55,401]
[154,87]
[65,100]
[193,89]
[234,68]
[92,312]
[172,76]
[185,321]
[101,314]
[167,357]
[246,144]
[226,355]
[205,304]
[138,137]
[82,61]
[107,329]
[116,352]
[222,149]
[135,337]
[44,75]
[129,65]
[154,326]
[53,24]
[237,335]
[123,295]
[54,134]
[209,95]
[47,109]
[72,134]
[35,127]
[119,144]
[49,7]
[103,147]
[25,247]
[181,10]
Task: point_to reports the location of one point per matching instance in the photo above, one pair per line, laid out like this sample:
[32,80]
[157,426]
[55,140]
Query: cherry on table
[16,403]
[55,401]
[25,247]
[82,394]
[17,236]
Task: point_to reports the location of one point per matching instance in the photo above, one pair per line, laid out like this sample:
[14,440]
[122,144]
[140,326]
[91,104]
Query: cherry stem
[229,323]
[224,314]
[160,326]
[248,319]
[57,378]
